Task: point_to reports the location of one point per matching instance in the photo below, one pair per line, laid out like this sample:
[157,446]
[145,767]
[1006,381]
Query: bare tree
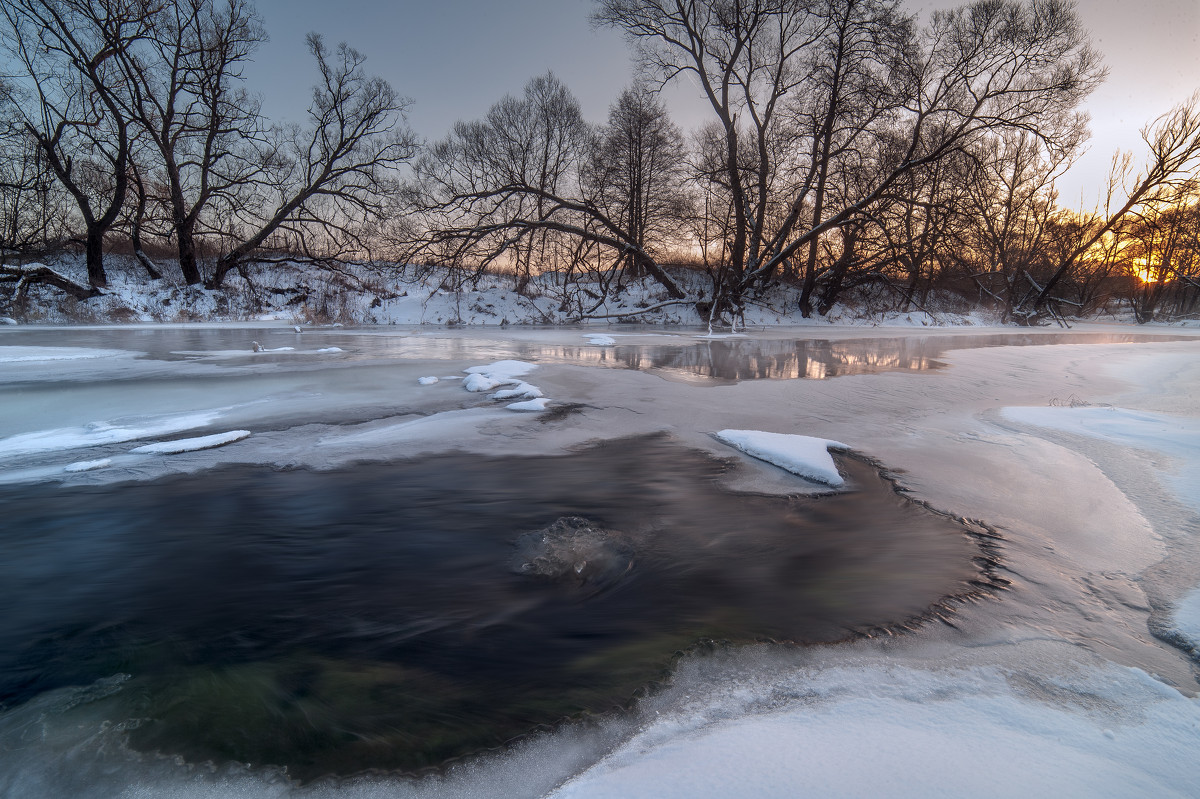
[1174,143]
[34,210]
[184,80]
[331,177]
[72,104]
[993,65]
[635,173]
[496,191]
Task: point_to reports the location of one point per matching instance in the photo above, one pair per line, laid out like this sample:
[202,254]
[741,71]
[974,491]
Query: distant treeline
[848,146]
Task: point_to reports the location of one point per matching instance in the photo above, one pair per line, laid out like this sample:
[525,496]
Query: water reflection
[396,615]
[679,357]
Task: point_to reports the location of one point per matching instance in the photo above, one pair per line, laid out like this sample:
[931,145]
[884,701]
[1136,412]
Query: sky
[455,58]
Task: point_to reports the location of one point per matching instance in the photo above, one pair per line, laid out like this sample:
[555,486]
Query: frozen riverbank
[1061,682]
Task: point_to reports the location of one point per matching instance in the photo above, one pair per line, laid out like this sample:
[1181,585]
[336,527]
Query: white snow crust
[191,444]
[805,456]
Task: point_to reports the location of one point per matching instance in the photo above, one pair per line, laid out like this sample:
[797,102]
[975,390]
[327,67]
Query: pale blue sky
[455,58]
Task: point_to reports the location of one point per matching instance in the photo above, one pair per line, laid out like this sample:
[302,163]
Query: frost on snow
[192,444]
[803,455]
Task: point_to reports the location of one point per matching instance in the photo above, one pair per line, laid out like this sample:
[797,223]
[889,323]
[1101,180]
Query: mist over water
[397,615]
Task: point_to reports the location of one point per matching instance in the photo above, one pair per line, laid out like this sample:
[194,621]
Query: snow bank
[502,370]
[41,354]
[191,444]
[802,455]
[101,433]
[906,732]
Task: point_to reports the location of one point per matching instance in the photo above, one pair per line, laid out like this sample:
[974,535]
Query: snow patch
[191,444]
[520,390]
[803,455]
[87,466]
[479,382]
[529,406]
[503,370]
[427,381]
[600,340]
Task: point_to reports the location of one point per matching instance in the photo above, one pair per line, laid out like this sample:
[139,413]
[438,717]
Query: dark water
[683,357]
[399,615]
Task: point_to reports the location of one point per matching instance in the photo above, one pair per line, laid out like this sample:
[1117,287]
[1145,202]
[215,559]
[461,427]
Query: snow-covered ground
[390,294]
[1074,683]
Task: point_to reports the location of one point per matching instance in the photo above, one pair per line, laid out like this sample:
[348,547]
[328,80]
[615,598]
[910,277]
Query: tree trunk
[187,254]
[94,248]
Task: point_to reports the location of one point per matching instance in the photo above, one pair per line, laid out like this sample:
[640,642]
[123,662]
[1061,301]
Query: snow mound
[529,406]
[502,370]
[803,455]
[600,340]
[427,381]
[192,444]
[520,391]
[480,382]
[87,466]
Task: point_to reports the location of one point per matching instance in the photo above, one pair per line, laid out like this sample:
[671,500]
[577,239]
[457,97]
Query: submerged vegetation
[852,150]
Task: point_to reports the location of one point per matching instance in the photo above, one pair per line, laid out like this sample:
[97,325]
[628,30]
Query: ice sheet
[1178,437]
[41,354]
[882,730]
[99,433]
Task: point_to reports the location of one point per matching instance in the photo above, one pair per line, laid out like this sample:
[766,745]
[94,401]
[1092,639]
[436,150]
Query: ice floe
[805,456]
[191,444]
